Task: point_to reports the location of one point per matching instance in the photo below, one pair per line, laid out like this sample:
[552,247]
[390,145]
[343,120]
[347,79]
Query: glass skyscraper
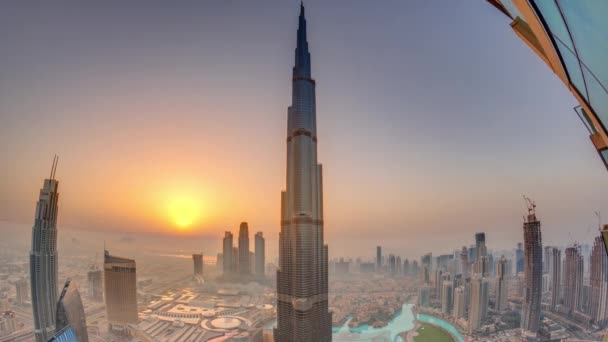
[43,259]
[70,312]
[302,302]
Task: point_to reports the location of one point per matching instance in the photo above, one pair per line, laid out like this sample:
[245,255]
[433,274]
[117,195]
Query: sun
[184,211]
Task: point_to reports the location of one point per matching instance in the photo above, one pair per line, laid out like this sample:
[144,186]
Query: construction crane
[530,205]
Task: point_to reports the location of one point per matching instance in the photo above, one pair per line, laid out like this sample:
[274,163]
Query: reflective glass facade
[577,35]
[65,335]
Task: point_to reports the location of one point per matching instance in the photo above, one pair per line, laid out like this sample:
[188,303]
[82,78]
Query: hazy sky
[433,119]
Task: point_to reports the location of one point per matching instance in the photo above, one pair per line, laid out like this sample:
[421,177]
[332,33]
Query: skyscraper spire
[302,63]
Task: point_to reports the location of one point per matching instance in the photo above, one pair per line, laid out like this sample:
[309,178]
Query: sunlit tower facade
[533,272]
[120,285]
[43,259]
[302,285]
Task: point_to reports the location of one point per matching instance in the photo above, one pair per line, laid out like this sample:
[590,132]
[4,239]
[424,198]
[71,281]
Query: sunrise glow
[184,211]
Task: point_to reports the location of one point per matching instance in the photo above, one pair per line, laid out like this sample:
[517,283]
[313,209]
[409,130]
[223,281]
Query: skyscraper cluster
[240,261]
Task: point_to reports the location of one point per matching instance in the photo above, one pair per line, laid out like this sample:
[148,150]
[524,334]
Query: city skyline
[396,132]
[414,233]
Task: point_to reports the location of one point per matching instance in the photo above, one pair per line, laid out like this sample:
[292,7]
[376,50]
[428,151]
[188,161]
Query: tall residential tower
[302,304]
[43,259]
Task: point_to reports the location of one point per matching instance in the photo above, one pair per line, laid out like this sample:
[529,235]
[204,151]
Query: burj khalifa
[302,305]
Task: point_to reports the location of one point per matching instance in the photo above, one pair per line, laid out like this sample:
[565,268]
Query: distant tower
[235,259]
[219,262]
[43,259]
[21,290]
[599,282]
[464,259]
[459,303]
[447,297]
[227,253]
[547,259]
[378,258]
[502,284]
[70,312]
[479,302]
[533,271]
[8,323]
[573,279]
[197,261]
[480,245]
[302,278]
[95,284]
[260,254]
[244,249]
[120,280]
[519,258]
[556,273]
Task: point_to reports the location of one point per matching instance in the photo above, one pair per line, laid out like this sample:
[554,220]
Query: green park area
[430,333]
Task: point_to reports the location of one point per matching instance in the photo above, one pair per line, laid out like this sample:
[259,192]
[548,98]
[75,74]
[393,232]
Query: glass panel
[511,8]
[588,25]
[598,98]
[585,119]
[554,20]
[572,67]
[604,155]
